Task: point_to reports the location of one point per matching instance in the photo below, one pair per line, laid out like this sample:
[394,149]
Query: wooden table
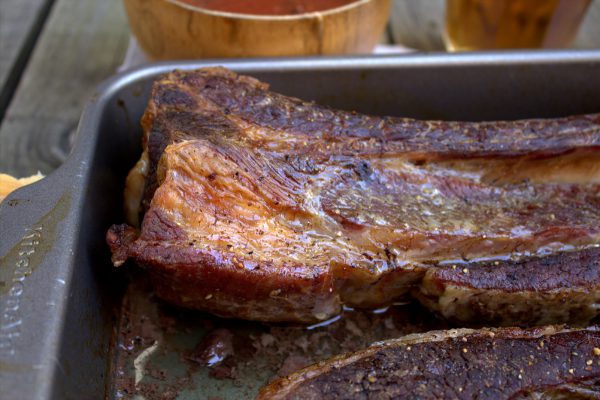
[53,53]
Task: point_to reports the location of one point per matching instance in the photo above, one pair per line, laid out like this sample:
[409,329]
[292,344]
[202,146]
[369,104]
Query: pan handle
[38,233]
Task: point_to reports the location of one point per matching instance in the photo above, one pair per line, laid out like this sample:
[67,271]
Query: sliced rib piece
[536,290]
[494,364]
[260,206]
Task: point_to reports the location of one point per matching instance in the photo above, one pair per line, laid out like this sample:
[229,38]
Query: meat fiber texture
[509,363]
[259,206]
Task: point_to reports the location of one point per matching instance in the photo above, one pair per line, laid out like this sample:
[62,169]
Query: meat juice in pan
[168,352]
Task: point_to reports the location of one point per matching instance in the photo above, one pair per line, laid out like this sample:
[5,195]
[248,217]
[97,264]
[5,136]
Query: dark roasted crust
[249,99]
[221,283]
[257,151]
[225,286]
[535,291]
[176,113]
[486,364]
[552,272]
[119,238]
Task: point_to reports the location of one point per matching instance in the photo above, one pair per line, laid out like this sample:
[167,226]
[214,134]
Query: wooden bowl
[171,29]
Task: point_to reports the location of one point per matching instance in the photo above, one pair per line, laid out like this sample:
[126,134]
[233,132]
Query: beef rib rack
[260,206]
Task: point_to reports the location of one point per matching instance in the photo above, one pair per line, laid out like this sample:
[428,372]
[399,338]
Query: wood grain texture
[20,23]
[82,43]
[172,30]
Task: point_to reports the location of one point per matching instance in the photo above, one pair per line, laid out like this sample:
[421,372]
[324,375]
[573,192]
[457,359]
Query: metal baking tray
[73,327]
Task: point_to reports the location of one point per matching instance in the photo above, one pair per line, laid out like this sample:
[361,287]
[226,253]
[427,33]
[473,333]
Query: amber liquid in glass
[512,24]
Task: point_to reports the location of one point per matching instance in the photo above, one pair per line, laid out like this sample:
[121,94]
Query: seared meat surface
[260,206]
[509,363]
[532,290]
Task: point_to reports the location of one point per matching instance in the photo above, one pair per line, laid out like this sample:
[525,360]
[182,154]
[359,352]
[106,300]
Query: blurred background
[421,24]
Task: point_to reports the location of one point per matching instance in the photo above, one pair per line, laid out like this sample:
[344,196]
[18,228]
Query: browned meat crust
[459,364]
[538,290]
[261,206]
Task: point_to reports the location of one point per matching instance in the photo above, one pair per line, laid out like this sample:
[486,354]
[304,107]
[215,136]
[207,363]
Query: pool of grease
[164,352]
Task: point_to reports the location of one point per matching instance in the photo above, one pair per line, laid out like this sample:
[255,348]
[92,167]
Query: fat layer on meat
[259,206]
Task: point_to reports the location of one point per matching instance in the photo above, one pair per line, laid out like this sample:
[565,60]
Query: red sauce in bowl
[269,7]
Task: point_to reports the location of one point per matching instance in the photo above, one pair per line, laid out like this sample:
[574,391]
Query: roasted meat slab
[509,363]
[260,206]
